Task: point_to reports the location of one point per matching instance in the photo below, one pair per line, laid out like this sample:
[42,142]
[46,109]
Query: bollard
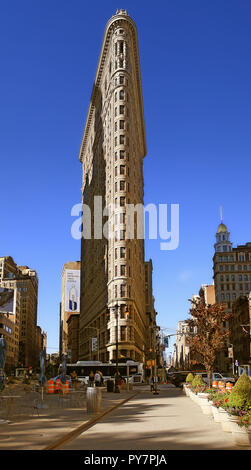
[91,400]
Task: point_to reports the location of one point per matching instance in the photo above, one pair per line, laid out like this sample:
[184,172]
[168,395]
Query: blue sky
[195,66]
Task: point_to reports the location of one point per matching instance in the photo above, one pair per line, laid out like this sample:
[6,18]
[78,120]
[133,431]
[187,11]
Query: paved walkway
[168,421]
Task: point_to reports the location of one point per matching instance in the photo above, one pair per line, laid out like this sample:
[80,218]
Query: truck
[216,376]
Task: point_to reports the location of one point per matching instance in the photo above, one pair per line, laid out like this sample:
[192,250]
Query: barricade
[58,386]
[50,386]
[229,386]
[65,387]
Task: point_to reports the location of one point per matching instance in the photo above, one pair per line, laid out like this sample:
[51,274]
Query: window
[122,95]
[122,270]
[123,290]
[122,154]
[122,139]
[121,124]
[122,201]
[122,185]
[121,109]
[122,252]
[122,234]
[123,333]
[121,79]
[122,169]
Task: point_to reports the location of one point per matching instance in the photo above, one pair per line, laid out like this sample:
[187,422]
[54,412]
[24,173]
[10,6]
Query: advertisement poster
[72,290]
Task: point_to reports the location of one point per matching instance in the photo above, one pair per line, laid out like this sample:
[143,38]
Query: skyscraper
[112,305]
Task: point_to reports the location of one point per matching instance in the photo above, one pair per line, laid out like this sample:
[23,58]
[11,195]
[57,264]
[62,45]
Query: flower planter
[216,414]
[225,421]
[205,404]
[241,434]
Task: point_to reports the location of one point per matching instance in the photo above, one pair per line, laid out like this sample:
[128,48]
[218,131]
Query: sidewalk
[168,421]
[37,432]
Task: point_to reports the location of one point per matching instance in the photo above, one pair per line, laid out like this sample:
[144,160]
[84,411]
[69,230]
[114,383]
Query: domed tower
[223,244]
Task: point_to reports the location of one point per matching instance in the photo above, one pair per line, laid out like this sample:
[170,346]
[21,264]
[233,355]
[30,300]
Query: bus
[131,369]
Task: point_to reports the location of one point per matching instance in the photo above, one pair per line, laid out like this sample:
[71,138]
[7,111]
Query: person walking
[91,379]
[151,384]
[97,379]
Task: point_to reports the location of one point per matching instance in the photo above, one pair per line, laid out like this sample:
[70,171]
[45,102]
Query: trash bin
[91,400]
[110,385]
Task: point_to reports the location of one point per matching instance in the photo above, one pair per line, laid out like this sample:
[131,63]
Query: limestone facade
[112,152]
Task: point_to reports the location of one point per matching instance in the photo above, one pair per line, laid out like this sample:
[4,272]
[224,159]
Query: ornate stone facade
[112,152]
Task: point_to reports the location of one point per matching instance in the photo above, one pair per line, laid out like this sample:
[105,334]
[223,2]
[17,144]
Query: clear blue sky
[195,65]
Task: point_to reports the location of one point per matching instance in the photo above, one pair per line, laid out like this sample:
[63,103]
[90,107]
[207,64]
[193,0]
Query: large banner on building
[72,290]
[6,300]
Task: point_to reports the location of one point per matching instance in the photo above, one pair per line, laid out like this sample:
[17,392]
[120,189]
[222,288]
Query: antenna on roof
[221,218]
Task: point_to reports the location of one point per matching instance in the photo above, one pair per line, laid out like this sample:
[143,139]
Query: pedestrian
[101,377]
[151,384]
[97,379]
[91,379]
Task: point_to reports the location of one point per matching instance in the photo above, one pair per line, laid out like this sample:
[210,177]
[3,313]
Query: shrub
[240,398]
[189,377]
[197,380]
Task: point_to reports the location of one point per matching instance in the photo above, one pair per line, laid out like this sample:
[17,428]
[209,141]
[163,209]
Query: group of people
[96,379]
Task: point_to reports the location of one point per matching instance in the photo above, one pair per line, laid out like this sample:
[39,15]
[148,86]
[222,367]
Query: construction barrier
[65,387]
[221,384]
[215,384]
[229,386]
[50,386]
[58,386]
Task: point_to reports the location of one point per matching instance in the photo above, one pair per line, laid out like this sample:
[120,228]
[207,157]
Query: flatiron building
[112,150]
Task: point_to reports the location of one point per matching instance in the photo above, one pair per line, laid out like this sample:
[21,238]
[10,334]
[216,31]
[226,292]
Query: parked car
[216,376]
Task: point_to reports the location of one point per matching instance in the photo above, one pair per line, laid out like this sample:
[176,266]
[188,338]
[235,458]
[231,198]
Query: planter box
[204,404]
[241,434]
[216,414]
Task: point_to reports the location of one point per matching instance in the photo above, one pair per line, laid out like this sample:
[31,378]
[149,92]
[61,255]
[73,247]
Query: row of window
[123,140]
[245,287]
[231,258]
[234,277]
[121,270]
[232,267]
[122,290]
[122,170]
